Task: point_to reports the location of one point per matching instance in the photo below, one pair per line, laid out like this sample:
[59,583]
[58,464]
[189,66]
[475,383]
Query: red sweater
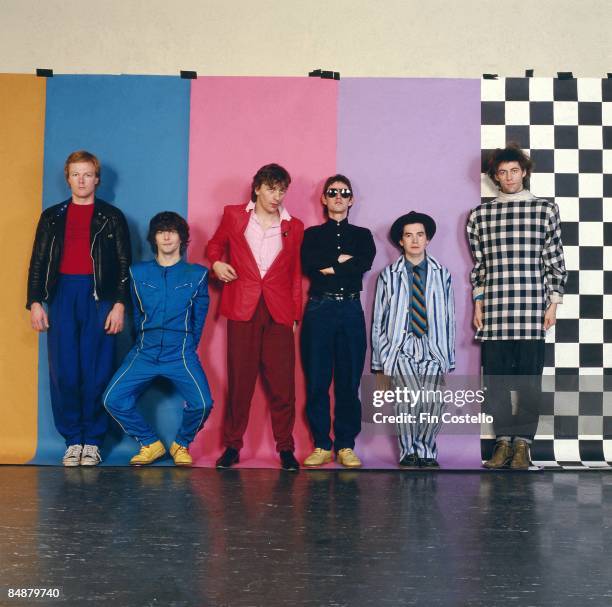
[76,255]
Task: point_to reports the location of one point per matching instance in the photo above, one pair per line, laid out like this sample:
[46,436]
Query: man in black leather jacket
[80,269]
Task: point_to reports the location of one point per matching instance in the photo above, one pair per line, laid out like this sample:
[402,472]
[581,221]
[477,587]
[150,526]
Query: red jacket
[282,284]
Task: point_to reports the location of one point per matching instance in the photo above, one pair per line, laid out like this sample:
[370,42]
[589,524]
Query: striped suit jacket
[392,305]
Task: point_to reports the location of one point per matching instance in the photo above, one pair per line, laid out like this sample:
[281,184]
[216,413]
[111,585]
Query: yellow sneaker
[318,457]
[148,454]
[180,455]
[347,458]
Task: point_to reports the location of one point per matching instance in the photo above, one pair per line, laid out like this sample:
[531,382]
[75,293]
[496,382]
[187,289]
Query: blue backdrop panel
[138,126]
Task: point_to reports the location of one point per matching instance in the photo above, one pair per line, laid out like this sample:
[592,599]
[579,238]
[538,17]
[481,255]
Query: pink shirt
[265,244]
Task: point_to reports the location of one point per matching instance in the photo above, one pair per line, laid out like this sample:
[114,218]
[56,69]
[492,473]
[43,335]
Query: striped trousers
[416,370]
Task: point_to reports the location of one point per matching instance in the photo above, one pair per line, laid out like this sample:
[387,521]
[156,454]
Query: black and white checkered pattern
[517,251]
[566,128]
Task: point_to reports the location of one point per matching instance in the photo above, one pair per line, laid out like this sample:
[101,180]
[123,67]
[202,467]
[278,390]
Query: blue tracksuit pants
[80,360]
[137,372]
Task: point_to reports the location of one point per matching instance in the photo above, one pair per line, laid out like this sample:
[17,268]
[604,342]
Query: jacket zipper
[95,292]
[161,341]
[48,269]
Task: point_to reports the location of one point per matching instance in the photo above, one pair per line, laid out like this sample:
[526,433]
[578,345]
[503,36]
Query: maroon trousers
[260,344]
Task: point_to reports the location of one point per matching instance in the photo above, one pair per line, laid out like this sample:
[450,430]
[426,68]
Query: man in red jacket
[262,300]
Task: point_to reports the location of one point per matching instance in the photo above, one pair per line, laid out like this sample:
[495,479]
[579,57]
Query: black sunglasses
[333,192]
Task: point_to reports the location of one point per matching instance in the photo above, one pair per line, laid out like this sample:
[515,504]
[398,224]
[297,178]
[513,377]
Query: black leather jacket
[110,251]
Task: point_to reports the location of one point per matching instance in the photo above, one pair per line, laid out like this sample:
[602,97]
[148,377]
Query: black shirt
[324,244]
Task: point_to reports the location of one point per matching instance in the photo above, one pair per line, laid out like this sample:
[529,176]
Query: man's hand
[383,382]
[224,272]
[38,318]
[326,271]
[114,320]
[550,316]
[344,257]
[478,324]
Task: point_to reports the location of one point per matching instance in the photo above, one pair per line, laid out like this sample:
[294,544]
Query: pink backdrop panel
[238,125]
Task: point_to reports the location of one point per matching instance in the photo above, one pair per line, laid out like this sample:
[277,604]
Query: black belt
[335,296]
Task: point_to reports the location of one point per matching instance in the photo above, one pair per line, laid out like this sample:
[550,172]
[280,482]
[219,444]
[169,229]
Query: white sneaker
[72,457]
[90,455]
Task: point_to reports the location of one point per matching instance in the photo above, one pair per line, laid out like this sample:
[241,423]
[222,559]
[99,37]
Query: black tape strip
[609,74]
[327,74]
[44,72]
[565,75]
[528,73]
[189,75]
[489,76]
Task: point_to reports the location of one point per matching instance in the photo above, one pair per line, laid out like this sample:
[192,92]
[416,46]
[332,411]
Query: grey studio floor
[167,536]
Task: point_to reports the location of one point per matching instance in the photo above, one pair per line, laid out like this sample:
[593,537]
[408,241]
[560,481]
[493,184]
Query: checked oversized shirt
[519,267]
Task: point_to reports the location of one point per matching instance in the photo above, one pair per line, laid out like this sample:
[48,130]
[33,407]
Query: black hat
[397,229]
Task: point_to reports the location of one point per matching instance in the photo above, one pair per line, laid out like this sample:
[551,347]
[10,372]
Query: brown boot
[501,456]
[520,459]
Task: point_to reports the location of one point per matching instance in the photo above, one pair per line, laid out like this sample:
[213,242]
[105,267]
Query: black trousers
[513,365]
[333,345]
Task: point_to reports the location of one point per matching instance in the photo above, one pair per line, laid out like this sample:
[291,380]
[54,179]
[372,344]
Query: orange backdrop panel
[22,121]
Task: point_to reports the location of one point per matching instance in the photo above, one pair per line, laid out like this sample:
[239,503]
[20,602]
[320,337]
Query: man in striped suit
[413,335]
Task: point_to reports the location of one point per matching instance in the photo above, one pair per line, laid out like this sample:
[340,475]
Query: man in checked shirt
[518,279]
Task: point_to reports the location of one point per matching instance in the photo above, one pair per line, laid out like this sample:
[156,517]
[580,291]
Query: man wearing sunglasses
[335,256]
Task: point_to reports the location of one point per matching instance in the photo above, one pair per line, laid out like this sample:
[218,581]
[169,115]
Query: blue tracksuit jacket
[170,306]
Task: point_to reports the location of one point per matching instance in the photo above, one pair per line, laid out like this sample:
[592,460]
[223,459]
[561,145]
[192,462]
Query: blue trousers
[333,344]
[80,360]
[137,372]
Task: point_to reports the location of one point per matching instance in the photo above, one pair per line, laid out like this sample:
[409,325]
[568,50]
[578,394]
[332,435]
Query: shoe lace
[90,451]
[73,451]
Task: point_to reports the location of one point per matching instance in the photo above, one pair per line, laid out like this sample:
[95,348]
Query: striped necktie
[418,311]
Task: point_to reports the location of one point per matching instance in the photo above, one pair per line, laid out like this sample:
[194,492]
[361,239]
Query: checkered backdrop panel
[566,128]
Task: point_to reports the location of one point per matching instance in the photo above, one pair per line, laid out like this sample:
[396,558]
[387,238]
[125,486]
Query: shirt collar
[422,265]
[178,264]
[284,214]
[340,224]
[522,195]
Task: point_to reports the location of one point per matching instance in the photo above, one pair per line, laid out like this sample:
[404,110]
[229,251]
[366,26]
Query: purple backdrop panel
[414,144]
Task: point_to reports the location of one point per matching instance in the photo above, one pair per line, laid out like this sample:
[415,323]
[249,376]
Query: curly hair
[511,153]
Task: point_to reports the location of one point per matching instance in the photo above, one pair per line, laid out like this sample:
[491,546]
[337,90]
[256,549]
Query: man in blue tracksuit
[170,299]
